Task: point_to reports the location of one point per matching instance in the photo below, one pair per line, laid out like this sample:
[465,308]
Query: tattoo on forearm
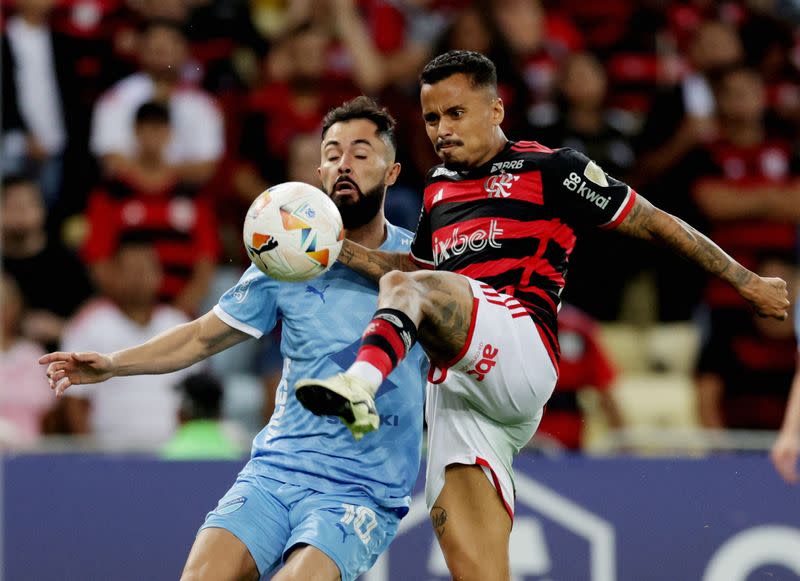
[648,223]
[372,263]
[438,519]
[701,250]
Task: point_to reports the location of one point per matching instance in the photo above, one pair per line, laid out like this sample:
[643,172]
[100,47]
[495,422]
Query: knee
[395,279]
[399,285]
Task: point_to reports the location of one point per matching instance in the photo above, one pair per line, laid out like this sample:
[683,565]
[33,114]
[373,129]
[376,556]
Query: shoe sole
[321,401]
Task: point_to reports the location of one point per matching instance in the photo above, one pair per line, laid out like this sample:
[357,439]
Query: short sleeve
[205,138]
[251,305]
[110,131]
[422,245]
[583,193]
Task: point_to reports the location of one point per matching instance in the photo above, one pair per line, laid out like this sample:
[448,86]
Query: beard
[359,212]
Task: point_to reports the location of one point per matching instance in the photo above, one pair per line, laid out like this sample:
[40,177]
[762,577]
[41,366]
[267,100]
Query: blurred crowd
[135,133]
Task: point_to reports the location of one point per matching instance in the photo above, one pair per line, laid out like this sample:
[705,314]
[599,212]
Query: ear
[392,174]
[498,111]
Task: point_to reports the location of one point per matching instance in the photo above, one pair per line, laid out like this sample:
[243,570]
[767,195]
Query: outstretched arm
[174,349]
[374,264]
[768,296]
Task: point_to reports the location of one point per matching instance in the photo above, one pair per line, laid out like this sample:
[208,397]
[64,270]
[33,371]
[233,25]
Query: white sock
[368,373]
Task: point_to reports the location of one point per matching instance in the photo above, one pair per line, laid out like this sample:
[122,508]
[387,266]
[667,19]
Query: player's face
[356,168]
[461,120]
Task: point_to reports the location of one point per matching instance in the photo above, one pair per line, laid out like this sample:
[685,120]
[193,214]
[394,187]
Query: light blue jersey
[322,324]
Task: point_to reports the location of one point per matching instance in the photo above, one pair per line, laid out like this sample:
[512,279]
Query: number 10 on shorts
[362,518]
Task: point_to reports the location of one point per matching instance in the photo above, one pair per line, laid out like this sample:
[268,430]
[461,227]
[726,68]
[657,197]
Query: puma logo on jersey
[504,165]
[574,183]
[458,244]
[319,292]
[345,533]
[485,364]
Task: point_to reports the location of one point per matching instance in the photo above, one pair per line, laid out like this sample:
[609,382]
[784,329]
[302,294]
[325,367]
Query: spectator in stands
[584,122]
[770,47]
[747,363]
[201,435]
[786,449]
[135,412]
[147,200]
[683,115]
[23,397]
[680,120]
[584,365]
[197,142]
[747,182]
[297,88]
[538,42]
[52,279]
[42,114]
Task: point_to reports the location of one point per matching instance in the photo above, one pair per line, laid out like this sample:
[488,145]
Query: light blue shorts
[271,517]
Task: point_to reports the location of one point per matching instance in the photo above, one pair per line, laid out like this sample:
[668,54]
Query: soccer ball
[293,232]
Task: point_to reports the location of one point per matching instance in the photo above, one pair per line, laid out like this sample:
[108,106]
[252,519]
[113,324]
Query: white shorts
[487,403]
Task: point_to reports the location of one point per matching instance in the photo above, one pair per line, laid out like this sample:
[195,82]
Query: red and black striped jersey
[511,223]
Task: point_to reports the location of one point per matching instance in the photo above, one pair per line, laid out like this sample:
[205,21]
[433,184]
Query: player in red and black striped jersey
[511,222]
[495,234]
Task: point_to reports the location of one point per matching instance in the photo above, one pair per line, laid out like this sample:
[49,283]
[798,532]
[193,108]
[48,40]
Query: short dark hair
[202,395]
[152,112]
[363,108]
[479,68]
[17,179]
[147,26]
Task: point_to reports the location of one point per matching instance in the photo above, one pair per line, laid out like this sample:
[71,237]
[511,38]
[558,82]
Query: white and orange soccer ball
[293,232]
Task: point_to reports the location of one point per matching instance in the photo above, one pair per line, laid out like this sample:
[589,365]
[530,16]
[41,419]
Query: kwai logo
[458,244]
[499,186]
[574,183]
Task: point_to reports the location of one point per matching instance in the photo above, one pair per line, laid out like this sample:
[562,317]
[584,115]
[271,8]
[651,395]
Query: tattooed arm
[374,263]
[768,296]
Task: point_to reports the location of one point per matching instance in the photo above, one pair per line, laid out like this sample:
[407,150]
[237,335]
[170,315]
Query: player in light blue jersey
[308,498]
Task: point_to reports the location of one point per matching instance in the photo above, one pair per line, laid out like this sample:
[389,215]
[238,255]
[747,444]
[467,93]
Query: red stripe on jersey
[505,228]
[535,264]
[546,343]
[527,146]
[526,187]
[539,292]
[623,212]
